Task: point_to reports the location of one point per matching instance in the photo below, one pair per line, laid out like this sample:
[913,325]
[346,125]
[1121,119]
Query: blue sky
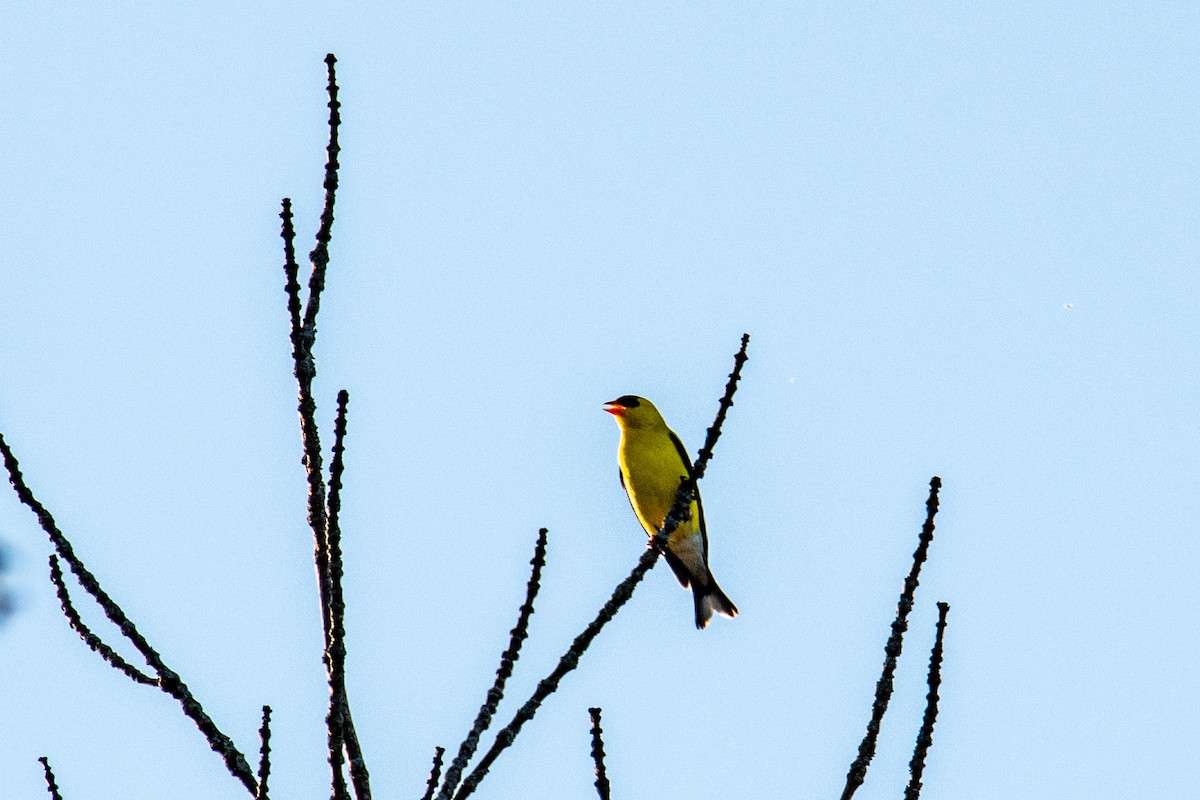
[962,237]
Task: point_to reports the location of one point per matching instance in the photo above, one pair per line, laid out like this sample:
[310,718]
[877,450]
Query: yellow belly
[652,479]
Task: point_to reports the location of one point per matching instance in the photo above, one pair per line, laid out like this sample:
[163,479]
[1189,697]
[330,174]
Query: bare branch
[291,271]
[320,254]
[336,657]
[507,662]
[167,680]
[895,643]
[51,786]
[726,402]
[305,370]
[681,510]
[435,773]
[602,786]
[925,737]
[359,776]
[303,338]
[91,639]
[264,753]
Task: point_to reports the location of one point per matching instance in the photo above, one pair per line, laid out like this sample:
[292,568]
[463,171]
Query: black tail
[709,599]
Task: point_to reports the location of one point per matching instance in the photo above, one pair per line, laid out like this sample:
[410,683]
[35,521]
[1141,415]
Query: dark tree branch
[305,370]
[710,439]
[91,639]
[342,734]
[602,787]
[925,736]
[167,680]
[320,254]
[291,271]
[681,510]
[895,643]
[338,707]
[435,773]
[620,595]
[51,786]
[264,753]
[303,337]
[507,661]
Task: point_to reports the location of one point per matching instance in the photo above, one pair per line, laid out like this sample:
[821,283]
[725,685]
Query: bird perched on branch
[653,463]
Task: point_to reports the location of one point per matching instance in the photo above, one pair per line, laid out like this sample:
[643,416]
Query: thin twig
[264,753]
[167,680]
[895,643]
[602,787]
[291,271]
[320,254]
[681,510]
[916,767]
[620,595]
[89,637]
[51,786]
[710,439]
[507,661]
[435,773]
[338,707]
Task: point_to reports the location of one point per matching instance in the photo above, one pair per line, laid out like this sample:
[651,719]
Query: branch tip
[916,766]
[435,773]
[602,785]
[264,754]
[507,663]
[51,785]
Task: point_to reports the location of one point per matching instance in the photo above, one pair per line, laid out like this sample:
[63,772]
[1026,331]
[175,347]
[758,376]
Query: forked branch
[167,680]
[322,510]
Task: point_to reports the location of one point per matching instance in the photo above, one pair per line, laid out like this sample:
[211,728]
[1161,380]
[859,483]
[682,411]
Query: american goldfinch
[652,463]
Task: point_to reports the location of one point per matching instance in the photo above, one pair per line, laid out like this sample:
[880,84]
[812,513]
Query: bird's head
[632,411]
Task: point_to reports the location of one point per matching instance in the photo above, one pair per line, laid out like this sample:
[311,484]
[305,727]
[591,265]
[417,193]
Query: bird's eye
[629,401]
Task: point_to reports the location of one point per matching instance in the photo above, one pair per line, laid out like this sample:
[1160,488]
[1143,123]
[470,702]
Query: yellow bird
[652,463]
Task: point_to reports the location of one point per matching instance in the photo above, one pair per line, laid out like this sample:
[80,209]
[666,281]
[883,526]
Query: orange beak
[615,408]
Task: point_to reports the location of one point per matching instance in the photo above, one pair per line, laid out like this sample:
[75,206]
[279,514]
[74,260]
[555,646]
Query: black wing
[681,572]
[687,462]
